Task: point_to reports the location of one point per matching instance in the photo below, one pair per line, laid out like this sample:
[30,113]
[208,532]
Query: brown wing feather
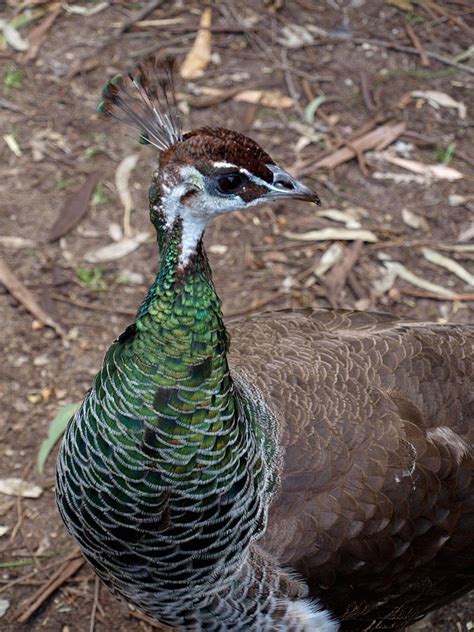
[376,506]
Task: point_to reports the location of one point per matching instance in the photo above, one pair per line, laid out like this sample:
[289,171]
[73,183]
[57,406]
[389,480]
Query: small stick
[94,308]
[26,298]
[366,95]
[72,564]
[468,296]
[424,59]
[95,604]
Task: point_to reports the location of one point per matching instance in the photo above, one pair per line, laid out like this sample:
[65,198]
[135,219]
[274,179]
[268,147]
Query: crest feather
[152,108]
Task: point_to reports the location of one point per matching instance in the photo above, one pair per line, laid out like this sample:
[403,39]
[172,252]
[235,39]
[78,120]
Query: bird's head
[202,173]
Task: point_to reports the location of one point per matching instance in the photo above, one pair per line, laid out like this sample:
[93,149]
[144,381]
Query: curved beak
[285,185]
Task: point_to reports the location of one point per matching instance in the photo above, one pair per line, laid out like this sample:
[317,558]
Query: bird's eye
[230,182]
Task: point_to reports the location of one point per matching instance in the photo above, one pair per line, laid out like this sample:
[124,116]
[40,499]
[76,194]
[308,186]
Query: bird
[299,470]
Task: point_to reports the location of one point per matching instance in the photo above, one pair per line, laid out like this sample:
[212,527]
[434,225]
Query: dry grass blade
[378,138]
[70,567]
[199,56]
[74,208]
[26,298]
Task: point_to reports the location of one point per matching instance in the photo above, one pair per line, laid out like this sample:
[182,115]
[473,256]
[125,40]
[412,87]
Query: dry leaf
[16,242]
[3,530]
[38,34]
[445,262]
[12,144]
[333,234]
[380,137]
[267,98]
[295,36]
[413,220]
[439,172]
[403,5]
[199,56]
[122,177]
[86,11]
[332,255]
[399,178]
[440,99]
[74,208]
[13,37]
[18,487]
[4,605]
[404,273]
[117,250]
[350,217]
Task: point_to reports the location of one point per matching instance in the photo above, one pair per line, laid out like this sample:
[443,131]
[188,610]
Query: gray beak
[285,186]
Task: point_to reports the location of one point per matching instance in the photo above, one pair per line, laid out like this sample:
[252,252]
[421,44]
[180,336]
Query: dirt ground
[364,63]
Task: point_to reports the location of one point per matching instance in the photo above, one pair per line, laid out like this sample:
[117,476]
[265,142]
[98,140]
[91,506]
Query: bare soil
[49,112]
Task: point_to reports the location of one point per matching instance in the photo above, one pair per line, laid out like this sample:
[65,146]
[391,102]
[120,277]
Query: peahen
[315,474]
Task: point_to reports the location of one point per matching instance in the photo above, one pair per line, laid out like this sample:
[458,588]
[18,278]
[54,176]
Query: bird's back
[376,505]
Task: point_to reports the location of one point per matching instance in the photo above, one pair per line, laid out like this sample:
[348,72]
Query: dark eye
[229,183]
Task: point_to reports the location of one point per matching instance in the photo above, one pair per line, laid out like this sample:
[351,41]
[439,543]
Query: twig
[95,604]
[33,573]
[26,298]
[469,296]
[154,624]
[366,95]
[140,15]
[418,45]
[94,308]
[256,305]
[70,567]
[412,51]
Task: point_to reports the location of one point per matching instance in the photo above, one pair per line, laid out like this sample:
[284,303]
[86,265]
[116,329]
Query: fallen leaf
[4,605]
[55,431]
[329,258]
[445,262]
[86,11]
[199,56]
[439,172]
[3,530]
[349,217]
[440,99]
[13,145]
[19,487]
[403,5]
[9,241]
[413,220]
[116,250]
[122,177]
[12,36]
[458,200]
[267,98]
[38,34]
[382,136]
[333,234]
[26,298]
[218,249]
[407,275]
[74,208]
[295,36]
